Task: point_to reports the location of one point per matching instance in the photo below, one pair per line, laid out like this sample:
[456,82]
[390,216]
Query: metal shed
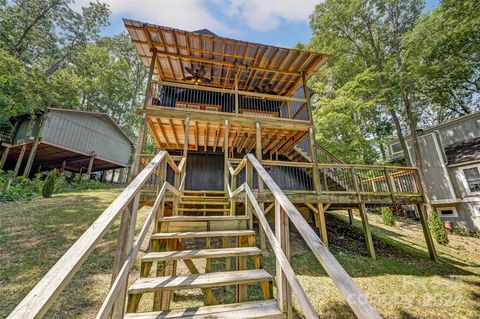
[70,140]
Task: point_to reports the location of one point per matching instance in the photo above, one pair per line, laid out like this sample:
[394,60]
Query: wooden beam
[366,230]
[225,155]
[19,160]
[5,152]
[186,136]
[426,232]
[90,165]
[142,131]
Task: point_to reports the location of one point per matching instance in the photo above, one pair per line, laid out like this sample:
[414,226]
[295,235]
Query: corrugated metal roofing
[257,64]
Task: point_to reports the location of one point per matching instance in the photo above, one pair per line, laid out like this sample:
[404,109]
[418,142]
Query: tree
[358,32]
[445,65]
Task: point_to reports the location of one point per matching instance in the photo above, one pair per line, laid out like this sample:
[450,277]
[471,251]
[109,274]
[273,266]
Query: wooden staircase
[202,228]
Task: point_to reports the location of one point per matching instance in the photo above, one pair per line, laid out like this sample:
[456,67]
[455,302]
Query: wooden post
[225,158]
[236,92]
[33,150]
[19,160]
[124,245]
[366,230]
[90,166]
[3,159]
[306,93]
[282,235]
[249,181]
[113,176]
[187,136]
[350,217]
[122,175]
[322,227]
[258,153]
[426,232]
[143,123]
[64,164]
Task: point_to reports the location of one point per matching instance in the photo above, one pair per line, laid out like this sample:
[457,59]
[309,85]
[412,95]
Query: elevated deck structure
[235,140]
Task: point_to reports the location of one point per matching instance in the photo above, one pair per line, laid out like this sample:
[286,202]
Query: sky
[276,22]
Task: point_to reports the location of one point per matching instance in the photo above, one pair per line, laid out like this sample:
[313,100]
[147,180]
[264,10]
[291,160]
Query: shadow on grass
[48,229]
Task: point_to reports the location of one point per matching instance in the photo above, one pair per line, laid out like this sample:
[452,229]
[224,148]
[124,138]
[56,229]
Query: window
[396,148]
[447,212]
[472,177]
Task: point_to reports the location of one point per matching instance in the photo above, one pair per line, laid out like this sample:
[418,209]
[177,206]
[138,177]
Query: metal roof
[256,64]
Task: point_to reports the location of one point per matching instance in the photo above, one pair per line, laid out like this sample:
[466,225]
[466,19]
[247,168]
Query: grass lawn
[401,283]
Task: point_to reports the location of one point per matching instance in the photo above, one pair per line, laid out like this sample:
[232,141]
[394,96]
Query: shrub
[438,230]
[49,185]
[20,188]
[388,217]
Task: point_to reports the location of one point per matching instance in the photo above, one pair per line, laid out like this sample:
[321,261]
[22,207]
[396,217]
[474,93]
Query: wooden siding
[87,133]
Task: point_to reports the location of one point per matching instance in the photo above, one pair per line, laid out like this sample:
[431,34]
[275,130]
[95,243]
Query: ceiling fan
[197,76]
[265,88]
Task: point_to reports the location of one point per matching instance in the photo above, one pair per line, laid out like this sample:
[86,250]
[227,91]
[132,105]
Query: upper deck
[205,80]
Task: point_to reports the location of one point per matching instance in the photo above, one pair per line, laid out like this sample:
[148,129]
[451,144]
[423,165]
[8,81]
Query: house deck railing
[205,98]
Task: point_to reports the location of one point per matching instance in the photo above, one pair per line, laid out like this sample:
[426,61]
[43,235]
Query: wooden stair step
[202,218]
[205,280]
[212,203]
[183,209]
[202,253]
[265,309]
[203,234]
[183,197]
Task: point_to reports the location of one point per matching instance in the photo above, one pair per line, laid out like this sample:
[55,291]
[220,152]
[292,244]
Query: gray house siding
[445,180]
[439,185]
[91,133]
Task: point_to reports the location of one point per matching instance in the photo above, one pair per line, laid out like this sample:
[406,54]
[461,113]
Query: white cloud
[266,15]
[188,15]
[258,15]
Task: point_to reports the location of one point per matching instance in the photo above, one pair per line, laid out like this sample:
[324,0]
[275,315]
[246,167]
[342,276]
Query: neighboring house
[451,164]
[70,140]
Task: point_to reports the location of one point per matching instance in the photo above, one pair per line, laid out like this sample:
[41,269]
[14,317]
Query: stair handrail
[122,277]
[329,154]
[41,297]
[354,297]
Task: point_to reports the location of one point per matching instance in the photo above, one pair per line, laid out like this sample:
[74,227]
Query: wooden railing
[42,296]
[369,179]
[205,98]
[285,211]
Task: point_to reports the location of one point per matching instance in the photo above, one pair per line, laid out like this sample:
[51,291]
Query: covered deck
[211,82]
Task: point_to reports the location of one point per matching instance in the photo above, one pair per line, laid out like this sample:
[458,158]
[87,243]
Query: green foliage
[438,229]
[78,184]
[388,217]
[20,188]
[49,185]
[387,59]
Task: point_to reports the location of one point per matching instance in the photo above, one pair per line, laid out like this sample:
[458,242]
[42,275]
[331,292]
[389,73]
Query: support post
[124,245]
[31,158]
[33,150]
[3,159]
[258,153]
[236,92]
[113,176]
[225,157]
[307,96]
[90,166]
[187,136]
[19,160]
[426,232]
[366,230]
[322,227]
[282,236]
[350,217]
[64,164]
[142,131]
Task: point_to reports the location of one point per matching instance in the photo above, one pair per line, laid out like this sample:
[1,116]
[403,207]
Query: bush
[438,229]
[388,217]
[49,185]
[20,188]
